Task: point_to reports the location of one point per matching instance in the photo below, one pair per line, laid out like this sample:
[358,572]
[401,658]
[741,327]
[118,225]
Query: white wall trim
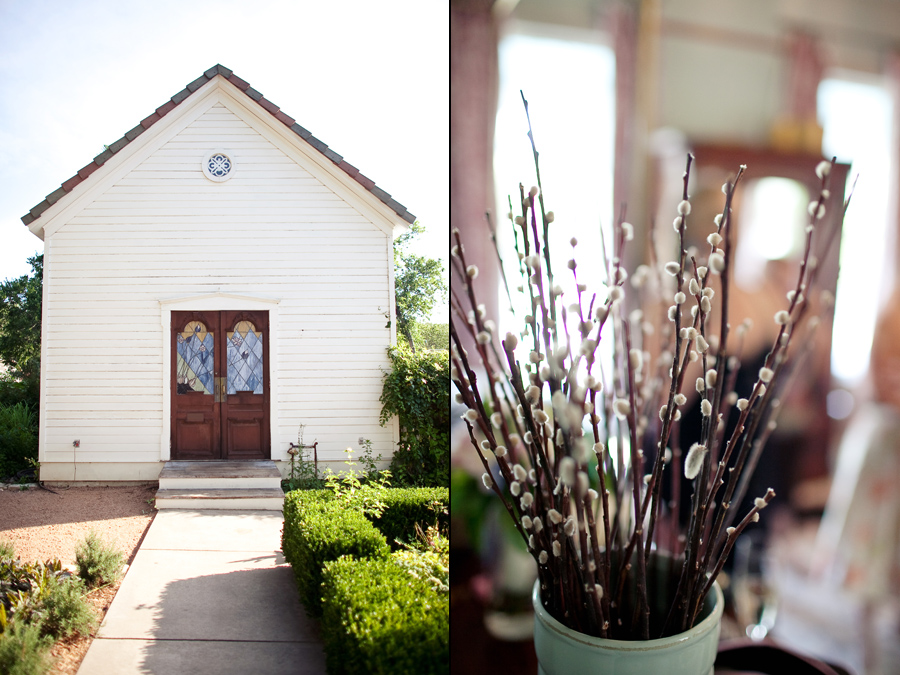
[217,302]
[45,361]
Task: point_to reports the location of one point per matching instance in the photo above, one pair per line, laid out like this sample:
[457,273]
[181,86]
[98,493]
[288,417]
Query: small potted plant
[574,420]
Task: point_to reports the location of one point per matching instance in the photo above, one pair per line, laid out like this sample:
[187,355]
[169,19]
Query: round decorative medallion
[218,166]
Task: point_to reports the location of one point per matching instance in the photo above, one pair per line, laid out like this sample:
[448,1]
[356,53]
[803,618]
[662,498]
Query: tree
[418,284]
[20,353]
[20,322]
[431,335]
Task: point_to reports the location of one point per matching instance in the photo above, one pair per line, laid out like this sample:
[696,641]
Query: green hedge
[407,506]
[316,532]
[18,438]
[378,619]
[298,504]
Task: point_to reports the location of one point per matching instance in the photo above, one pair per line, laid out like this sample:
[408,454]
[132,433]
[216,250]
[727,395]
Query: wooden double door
[220,385]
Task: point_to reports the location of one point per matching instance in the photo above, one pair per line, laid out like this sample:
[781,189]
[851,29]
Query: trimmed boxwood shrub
[378,619]
[407,506]
[299,502]
[297,505]
[317,532]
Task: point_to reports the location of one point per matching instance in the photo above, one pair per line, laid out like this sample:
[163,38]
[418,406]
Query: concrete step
[177,475]
[265,499]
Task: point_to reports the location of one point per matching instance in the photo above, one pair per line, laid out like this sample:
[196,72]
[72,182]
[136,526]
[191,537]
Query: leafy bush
[23,650]
[370,464]
[98,562]
[351,493]
[379,619]
[304,472]
[27,391]
[303,475]
[18,439]
[7,550]
[64,610]
[417,391]
[23,586]
[319,529]
[406,507]
[323,532]
[431,335]
[429,561]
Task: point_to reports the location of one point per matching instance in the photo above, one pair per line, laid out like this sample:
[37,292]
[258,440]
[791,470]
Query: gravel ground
[43,525]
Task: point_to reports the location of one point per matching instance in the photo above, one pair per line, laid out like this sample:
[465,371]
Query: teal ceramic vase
[563,651]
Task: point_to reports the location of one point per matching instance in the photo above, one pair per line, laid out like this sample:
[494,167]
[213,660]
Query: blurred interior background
[619,92]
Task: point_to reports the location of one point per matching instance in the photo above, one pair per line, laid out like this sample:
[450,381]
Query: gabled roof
[181,96]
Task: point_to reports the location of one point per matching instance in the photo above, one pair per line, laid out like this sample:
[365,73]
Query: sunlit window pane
[569,81]
[857,121]
[772,221]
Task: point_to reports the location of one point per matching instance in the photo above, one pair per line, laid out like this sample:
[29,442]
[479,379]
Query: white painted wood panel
[112,454]
[161,231]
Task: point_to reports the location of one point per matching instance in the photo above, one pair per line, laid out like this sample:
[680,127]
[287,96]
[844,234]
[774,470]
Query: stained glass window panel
[245,359]
[195,359]
[219,165]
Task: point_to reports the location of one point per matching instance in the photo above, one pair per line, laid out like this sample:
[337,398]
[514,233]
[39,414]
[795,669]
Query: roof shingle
[178,98]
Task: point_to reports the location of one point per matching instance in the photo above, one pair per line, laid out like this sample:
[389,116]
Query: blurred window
[568,77]
[772,221]
[856,115]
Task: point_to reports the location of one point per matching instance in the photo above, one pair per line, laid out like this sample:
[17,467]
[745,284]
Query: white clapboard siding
[161,231]
[107,455]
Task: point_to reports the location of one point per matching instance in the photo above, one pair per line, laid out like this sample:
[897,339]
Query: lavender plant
[577,445]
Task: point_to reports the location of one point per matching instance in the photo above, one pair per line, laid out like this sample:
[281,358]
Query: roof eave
[32,218]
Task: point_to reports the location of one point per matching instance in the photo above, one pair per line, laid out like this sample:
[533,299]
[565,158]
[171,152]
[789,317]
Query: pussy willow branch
[758,402]
[773,361]
[674,387]
[544,220]
[490,223]
[584,561]
[691,569]
[829,240]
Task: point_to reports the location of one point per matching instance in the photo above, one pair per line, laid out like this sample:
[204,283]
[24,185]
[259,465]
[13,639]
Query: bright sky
[369,79]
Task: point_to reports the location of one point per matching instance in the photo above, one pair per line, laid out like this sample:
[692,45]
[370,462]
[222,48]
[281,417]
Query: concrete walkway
[208,592]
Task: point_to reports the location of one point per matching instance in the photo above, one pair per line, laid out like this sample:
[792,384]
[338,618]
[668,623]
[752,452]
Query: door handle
[220,390]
